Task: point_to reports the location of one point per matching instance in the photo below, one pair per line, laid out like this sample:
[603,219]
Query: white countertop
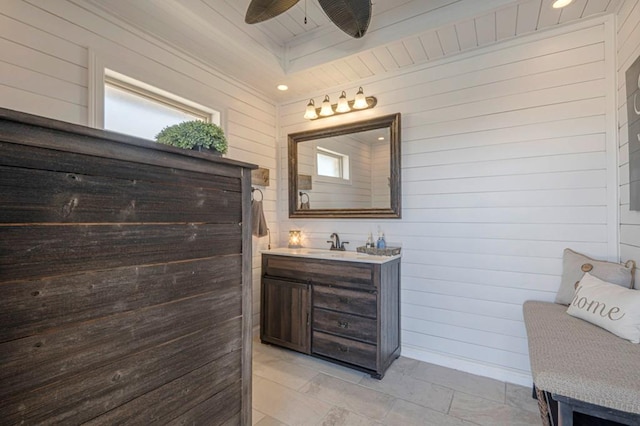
[324,254]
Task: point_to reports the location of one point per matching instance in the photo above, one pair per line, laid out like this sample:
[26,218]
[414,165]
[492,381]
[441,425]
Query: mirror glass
[350,170]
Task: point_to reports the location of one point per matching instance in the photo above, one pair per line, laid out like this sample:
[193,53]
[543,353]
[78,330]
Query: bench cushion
[579,360]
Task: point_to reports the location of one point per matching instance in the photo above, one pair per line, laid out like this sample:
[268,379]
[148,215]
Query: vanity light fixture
[326,109]
[343,106]
[295,239]
[311,113]
[558,4]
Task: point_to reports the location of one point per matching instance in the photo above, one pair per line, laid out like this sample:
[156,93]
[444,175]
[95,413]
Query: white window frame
[100,74]
[345,167]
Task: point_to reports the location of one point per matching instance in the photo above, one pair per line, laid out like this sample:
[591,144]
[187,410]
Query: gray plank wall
[122,281]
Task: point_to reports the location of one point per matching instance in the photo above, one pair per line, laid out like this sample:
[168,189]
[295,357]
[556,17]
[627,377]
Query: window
[332,164]
[138,109]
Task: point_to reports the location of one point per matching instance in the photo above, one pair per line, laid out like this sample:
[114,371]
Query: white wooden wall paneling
[505,163]
[512,247]
[132,46]
[628,35]
[34,60]
[465,319]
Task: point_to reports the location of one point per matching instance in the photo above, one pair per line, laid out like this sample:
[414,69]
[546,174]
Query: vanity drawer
[343,300]
[347,325]
[358,353]
[318,271]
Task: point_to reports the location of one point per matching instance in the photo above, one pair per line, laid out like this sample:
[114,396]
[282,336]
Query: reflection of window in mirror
[332,164]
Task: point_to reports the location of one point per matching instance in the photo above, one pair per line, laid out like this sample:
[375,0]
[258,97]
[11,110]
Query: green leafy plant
[194,134]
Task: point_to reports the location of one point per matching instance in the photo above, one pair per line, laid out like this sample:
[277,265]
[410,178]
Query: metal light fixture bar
[371,101]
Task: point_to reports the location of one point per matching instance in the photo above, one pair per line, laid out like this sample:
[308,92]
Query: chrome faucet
[335,242]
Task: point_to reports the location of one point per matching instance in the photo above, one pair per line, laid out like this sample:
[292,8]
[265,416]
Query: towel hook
[260,191]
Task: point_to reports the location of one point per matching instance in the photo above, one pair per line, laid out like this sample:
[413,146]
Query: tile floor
[293,389]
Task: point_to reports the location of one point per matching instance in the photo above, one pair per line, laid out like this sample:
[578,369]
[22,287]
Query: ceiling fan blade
[351,16]
[261,10]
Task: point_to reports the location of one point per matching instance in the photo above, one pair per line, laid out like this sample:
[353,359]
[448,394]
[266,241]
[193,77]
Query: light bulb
[360,101]
[343,104]
[326,109]
[310,113]
[561,3]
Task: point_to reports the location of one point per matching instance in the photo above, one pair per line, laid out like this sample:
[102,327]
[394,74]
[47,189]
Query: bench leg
[565,414]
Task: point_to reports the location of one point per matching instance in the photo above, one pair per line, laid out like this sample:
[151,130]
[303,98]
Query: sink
[347,256]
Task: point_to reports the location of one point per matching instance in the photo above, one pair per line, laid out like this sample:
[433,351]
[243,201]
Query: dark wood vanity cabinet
[353,309]
[286,314]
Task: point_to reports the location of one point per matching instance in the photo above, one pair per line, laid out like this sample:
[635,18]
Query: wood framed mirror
[346,171]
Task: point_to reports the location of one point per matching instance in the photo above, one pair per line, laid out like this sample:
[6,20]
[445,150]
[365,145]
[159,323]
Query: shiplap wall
[332,193]
[508,157]
[44,70]
[628,37]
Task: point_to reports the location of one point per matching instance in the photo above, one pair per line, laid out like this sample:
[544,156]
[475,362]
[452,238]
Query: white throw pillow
[610,306]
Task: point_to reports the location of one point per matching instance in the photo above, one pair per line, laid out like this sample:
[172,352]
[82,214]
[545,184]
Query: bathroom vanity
[340,306]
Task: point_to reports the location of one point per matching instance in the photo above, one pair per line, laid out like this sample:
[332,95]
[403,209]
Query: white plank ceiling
[316,56]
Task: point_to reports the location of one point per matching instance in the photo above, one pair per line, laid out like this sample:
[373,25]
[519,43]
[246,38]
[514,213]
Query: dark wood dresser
[125,279]
[347,312]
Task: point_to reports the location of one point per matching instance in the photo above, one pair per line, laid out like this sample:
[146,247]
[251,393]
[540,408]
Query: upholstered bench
[584,367]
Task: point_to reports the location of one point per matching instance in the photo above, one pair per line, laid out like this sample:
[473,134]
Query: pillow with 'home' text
[609,306]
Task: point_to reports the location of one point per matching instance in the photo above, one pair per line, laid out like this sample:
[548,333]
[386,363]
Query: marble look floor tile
[520,397]
[458,380]
[489,413]
[402,385]
[408,414]
[256,416]
[270,421]
[282,371]
[355,398]
[330,369]
[286,405]
[340,417]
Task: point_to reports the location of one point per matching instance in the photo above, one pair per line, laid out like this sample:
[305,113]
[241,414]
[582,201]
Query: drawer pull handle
[344,300]
[343,324]
[343,348]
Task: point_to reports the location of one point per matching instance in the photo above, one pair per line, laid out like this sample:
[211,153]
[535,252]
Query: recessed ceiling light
[381,138]
[561,3]
[283,87]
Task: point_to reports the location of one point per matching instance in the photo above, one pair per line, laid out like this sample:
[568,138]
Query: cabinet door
[285,314]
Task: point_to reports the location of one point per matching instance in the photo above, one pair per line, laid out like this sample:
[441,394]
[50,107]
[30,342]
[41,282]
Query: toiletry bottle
[379,242]
[383,242]
[370,241]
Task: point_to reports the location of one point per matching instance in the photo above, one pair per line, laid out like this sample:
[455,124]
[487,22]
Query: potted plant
[194,134]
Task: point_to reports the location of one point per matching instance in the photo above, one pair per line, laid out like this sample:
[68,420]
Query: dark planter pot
[207,150]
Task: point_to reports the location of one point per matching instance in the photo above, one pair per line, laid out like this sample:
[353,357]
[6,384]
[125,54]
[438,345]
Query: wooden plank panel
[31,157]
[432,45]
[506,20]
[486,29]
[30,307]
[33,196]
[528,13]
[224,404]
[448,40]
[467,36]
[41,251]
[82,397]
[203,387]
[45,358]
[67,137]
